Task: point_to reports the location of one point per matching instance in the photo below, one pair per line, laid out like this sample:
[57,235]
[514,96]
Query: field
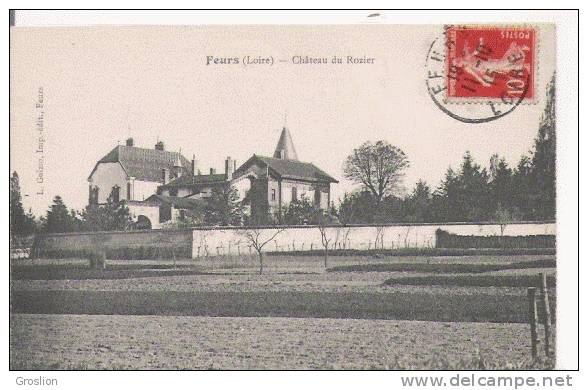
[361,312]
[170,342]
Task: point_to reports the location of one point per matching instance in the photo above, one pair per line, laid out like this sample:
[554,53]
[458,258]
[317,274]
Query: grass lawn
[42,342]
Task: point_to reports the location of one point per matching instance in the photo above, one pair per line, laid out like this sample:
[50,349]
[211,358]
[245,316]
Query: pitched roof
[292,169]
[195,180]
[176,201]
[145,164]
[285,148]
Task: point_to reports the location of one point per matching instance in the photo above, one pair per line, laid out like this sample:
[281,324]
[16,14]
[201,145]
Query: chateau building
[131,173]
[159,185]
[270,183]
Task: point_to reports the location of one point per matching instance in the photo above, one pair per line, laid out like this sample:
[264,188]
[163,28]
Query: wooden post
[546,312]
[533,319]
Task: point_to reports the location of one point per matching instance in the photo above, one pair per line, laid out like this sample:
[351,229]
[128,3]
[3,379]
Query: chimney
[130,142]
[229,168]
[159,146]
[165,175]
[193,164]
[212,171]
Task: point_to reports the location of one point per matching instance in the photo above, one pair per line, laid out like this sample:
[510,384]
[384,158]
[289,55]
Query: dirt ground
[170,342]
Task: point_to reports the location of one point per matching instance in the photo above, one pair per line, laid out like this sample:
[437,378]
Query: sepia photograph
[370,196]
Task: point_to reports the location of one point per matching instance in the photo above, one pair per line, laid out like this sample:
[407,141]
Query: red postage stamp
[490,62]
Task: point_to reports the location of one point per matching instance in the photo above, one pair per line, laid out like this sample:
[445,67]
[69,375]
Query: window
[273,194]
[129,197]
[115,194]
[317,197]
[93,195]
[294,194]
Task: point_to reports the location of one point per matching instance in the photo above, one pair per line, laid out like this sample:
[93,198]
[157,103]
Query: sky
[101,85]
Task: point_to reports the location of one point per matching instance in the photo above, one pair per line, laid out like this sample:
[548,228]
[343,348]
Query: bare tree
[378,167]
[379,236]
[324,220]
[257,238]
[346,238]
[503,216]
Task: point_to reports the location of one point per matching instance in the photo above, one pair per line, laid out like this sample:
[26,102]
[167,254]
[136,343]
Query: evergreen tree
[21,224]
[108,217]
[17,215]
[444,197]
[59,219]
[501,185]
[417,206]
[543,159]
[358,207]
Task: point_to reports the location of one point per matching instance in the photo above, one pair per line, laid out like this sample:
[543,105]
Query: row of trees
[223,208]
[470,193]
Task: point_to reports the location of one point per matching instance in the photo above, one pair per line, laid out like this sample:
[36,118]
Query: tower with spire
[285,149]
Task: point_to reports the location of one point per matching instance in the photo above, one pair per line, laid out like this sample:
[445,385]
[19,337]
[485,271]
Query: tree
[298,212]
[444,197]
[543,159]
[187,218]
[257,238]
[503,216]
[502,187]
[417,206]
[357,207]
[224,207]
[59,219]
[473,195]
[21,224]
[108,217]
[378,168]
[463,196]
[324,220]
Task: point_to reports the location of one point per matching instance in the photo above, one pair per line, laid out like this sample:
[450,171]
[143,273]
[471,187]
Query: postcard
[284,197]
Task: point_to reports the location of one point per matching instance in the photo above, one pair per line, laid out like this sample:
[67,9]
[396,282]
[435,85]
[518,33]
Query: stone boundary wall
[225,241]
[150,243]
[231,241]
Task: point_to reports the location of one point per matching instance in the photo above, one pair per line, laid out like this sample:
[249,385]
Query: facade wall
[144,189]
[105,177]
[108,175]
[231,241]
[242,184]
[303,190]
[150,211]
